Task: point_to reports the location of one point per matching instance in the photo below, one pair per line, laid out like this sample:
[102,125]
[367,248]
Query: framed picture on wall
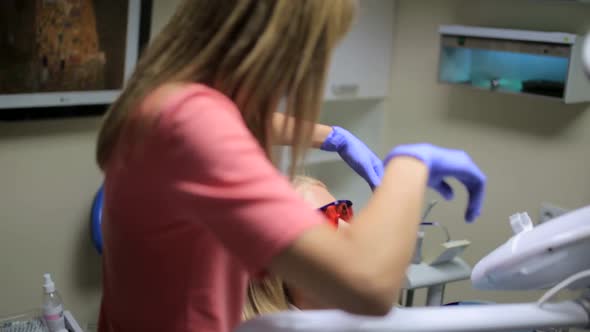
[63,57]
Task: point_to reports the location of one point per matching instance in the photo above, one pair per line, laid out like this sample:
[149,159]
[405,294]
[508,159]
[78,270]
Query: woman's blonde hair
[270,294]
[254,51]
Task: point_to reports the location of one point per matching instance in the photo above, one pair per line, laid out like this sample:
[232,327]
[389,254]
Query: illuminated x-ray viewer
[547,64]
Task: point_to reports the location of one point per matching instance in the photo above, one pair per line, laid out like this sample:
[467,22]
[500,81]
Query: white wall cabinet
[364,118]
[360,70]
[361,64]
[357,85]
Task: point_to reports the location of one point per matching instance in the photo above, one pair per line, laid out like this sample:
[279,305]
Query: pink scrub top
[192,209]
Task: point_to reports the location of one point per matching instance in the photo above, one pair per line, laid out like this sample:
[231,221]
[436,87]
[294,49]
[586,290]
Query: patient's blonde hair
[270,294]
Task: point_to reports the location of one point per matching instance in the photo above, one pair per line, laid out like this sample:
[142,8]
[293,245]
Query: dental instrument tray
[30,321]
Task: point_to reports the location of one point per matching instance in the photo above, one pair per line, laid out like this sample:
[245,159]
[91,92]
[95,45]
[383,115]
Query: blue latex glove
[444,163]
[356,154]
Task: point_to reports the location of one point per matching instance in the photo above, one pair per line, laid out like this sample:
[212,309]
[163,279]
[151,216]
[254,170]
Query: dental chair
[553,254]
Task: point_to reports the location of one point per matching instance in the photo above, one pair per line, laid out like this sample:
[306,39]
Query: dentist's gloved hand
[356,154]
[444,163]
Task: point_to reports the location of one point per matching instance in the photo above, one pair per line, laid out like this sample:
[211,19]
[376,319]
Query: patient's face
[319,196]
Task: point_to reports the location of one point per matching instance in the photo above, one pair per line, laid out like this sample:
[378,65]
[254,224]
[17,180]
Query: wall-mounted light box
[547,64]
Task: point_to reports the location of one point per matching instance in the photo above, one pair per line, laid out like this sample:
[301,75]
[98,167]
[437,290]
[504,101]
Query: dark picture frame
[66,111]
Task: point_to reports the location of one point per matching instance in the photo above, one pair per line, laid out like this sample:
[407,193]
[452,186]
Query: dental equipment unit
[553,254]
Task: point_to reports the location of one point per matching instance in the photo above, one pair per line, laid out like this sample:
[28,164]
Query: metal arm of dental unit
[586,54]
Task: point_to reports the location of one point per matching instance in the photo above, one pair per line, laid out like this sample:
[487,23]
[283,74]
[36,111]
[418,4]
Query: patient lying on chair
[271,295]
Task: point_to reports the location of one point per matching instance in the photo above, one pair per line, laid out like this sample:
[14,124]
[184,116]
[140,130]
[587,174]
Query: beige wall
[533,150]
[47,181]
[163,10]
